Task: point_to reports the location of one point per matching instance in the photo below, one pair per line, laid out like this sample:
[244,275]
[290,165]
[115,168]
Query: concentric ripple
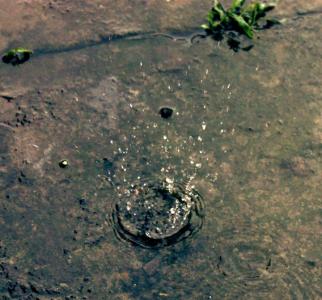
[250,266]
[157,214]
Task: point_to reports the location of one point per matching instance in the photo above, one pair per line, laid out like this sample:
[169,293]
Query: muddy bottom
[219,200]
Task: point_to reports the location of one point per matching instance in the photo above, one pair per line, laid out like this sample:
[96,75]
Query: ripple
[157,213]
[244,266]
[249,266]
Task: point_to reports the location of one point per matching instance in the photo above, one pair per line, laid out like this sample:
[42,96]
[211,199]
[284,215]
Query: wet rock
[30,146]
[24,179]
[298,166]
[21,289]
[13,91]
[102,99]
[226,170]
[63,163]
[83,202]
[4,273]
[152,266]
[7,97]
[108,167]
[311,263]
[22,119]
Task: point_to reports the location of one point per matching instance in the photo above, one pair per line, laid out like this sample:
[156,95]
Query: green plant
[238,17]
[16,56]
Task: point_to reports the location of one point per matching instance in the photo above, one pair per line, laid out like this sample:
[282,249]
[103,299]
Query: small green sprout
[238,18]
[16,56]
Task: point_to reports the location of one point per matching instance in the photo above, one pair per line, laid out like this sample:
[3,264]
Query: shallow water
[246,132]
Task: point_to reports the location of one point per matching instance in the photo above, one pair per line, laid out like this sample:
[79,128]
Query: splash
[156,214]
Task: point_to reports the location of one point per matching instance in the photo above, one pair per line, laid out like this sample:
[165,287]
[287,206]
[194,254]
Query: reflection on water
[244,131]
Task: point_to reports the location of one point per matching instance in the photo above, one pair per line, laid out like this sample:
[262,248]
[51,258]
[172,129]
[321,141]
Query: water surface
[246,132]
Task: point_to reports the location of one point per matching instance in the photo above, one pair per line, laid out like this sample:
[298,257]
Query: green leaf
[16,56]
[237,17]
[21,50]
[205,26]
[237,4]
[216,16]
[242,25]
[265,7]
[249,13]
[254,11]
[216,2]
[211,18]
[220,11]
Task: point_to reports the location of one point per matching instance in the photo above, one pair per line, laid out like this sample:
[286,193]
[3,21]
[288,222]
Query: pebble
[166,112]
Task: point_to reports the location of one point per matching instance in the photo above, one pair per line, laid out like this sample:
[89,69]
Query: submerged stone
[63,163]
[166,112]
[158,214]
[298,166]
[108,167]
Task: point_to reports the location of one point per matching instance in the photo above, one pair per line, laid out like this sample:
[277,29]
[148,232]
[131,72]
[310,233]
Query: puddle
[223,195]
